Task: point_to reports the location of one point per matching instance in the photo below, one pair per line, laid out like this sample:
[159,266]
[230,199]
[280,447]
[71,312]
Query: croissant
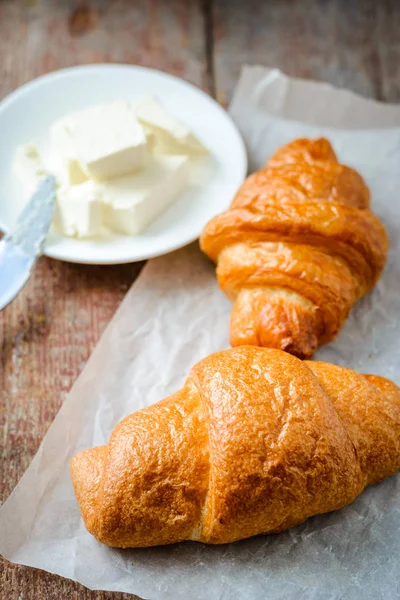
[296,249]
[255,442]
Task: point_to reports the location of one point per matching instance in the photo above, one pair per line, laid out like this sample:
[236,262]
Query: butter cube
[63,161]
[68,172]
[172,136]
[74,173]
[107,140]
[79,211]
[132,202]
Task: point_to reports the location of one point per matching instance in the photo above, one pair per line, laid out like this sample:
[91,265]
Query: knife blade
[20,249]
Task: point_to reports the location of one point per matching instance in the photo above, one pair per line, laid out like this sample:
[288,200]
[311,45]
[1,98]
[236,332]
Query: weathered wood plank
[388,34]
[48,333]
[46,337]
[38,36]
[350,44]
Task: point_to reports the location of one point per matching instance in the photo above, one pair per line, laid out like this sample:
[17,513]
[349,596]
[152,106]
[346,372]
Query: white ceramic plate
[27,113]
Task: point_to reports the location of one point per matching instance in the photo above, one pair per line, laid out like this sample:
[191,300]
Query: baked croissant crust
[255,442]
[296,249]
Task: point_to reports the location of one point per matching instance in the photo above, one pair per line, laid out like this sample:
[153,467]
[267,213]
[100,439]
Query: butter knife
[20,249]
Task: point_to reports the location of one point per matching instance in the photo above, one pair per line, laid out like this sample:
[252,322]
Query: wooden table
[49,331]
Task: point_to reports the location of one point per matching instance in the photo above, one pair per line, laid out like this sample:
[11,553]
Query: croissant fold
[255,442]
[296,249]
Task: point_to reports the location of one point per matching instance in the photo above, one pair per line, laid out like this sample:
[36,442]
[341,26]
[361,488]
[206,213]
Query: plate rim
[67,71]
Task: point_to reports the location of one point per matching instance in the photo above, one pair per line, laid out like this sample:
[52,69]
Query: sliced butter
[133,202]
[79,211]
[172,136]
[106,140]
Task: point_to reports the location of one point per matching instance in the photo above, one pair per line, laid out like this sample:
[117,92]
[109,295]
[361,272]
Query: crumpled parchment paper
[174,315]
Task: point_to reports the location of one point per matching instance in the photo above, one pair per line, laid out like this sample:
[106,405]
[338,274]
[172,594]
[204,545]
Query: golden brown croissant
[255,442]
[296,249]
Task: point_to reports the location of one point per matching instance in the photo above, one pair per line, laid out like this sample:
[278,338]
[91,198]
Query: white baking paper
[174,315]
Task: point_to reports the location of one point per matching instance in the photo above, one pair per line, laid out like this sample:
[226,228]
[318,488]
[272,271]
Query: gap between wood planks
[208,13]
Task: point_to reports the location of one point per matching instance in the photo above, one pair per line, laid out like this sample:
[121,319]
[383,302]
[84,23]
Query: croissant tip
[277,319]
[85,470]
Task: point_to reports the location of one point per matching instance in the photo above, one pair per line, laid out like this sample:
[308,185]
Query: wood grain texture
[38,36]
[46,337]
[49,331]
[352,44]
[47,334]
